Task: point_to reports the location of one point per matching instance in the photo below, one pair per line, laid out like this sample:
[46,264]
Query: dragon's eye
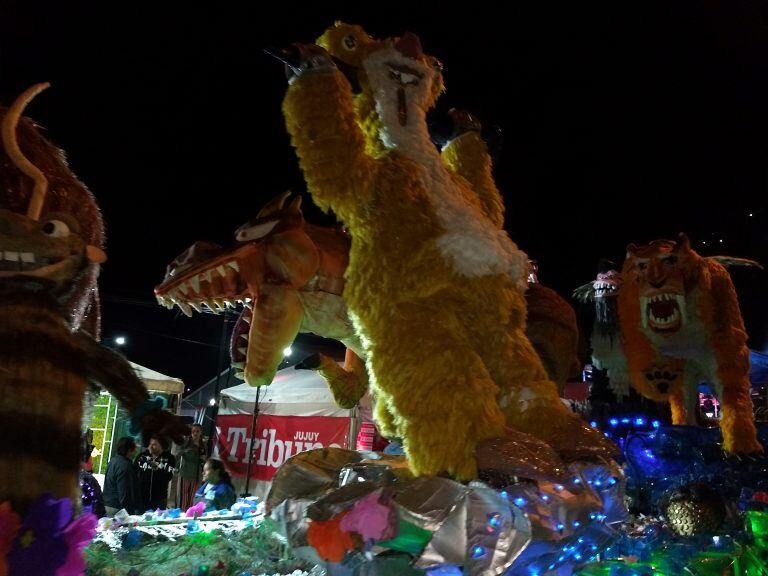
[349,42]
[251,232]
[56,229]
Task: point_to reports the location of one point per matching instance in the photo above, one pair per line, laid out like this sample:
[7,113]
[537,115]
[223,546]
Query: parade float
[488,471]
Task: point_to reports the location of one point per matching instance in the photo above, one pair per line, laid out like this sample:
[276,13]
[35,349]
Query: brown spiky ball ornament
[693,509]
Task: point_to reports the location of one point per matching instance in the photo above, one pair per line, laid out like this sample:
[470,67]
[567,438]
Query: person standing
[191,457]
[120,486]
[156,466]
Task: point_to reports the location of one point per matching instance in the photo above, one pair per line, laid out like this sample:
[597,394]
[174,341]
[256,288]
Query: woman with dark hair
[191,456]
[91,497]
[216,490]
[120,484]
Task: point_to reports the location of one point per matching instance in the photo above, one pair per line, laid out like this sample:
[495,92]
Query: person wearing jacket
[156,467]
[120,483]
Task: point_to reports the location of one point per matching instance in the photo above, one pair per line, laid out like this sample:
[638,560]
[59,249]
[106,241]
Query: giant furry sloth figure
[435,287]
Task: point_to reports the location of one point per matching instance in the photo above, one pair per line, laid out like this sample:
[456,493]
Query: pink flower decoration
[369,518]
[196,510]
[78,534]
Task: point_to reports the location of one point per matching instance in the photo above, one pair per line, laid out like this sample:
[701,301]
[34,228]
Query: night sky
[623,122]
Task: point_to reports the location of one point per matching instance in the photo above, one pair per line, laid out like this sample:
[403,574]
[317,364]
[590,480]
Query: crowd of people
[158,478]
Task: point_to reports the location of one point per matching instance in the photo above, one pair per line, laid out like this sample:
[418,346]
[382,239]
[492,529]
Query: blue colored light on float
[494,521]
[477,552]
[648,453]
[597,483]
[656,423]
[613,422]
[593,547]
[504,494]
[639,421]
[447,570]
[577,480]
[520,502]
[545,497]
[611,481]
[577,556]
[551,567]
[559,487]
[576,523]
[625,420]
[593,424]
[560,526]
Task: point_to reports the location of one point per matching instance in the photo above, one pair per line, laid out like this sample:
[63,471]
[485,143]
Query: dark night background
[623,122]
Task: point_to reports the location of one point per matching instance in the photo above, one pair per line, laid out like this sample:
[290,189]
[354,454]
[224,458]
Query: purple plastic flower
[39,547]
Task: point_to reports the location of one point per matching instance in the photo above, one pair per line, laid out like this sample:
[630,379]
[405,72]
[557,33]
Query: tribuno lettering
[269,450]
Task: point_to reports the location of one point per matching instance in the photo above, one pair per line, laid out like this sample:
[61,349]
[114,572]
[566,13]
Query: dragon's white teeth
[195,283]
[240,375]
[239,365]
[185,308]
[184,288]
[234,265]
[196,307]
[11,256]
[244,337]
[242,350]
[27,257]
[221,270]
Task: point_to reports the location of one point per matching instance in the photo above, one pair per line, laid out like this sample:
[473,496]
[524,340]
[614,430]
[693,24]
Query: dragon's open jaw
[215,284]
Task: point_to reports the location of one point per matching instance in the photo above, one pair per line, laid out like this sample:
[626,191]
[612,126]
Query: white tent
[296,412]
[157,382]
[292,391]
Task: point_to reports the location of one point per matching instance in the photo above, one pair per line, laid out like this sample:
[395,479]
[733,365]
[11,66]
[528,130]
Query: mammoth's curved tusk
[17,156]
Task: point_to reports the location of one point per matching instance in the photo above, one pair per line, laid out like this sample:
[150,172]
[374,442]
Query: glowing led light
[478,552]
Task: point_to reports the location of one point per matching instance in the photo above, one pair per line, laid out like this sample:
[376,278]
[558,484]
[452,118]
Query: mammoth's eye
[642,265]
[56,229]
[349,42]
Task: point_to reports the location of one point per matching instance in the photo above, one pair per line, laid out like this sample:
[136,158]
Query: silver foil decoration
[555,520]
